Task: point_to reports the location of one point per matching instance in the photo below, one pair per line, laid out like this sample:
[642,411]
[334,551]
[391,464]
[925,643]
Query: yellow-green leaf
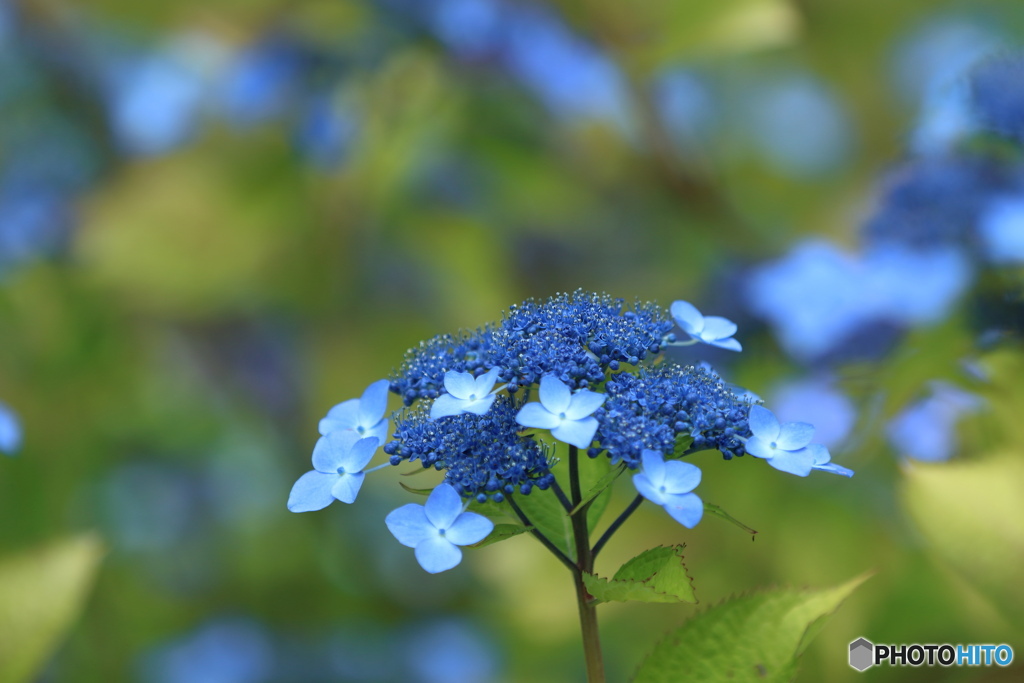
[655,575]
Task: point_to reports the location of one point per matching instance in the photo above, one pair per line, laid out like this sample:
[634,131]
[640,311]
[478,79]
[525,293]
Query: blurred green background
[217,220]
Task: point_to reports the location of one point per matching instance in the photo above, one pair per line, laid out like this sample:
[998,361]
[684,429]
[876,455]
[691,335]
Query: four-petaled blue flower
[364,416]
[712,329]
[787,447]
[566,414]
[669,484]
[437,529]
[338,462]
[466,394]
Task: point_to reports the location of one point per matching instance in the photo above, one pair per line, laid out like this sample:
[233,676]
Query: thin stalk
[562,557]
[584,564]
[561,497]
[630,509]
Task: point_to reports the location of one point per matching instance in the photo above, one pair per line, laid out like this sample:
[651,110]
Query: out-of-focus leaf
[722,514]
[972,513]
[655,575]
[755,637]
[41,593]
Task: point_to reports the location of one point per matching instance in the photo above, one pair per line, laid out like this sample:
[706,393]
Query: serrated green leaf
[502,532]
[41,593]
[756,637]
[972,514]
[719,512]
[655,575]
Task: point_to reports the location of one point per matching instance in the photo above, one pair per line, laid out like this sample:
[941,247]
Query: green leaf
[547,515]
[42,591]
[655,575]
[719,512]
[502,532]
[755,637]
[418,492]
[972,514]
[598,488]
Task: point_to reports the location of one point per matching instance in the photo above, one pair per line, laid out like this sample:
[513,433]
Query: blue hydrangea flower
[712,329]
[10,431]
[338,462]
[787,447]
[466,394]
[1001,229]
[566,414]
[669,484]
[438,528]
[364,416]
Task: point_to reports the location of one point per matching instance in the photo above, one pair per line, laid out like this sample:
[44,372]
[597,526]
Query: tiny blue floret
[466,394]
[669,484]
[566,414]
[438,528]
[338,462]
[712,330]
[364,416]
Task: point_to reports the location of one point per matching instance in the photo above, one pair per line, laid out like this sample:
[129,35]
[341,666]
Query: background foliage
[217,220]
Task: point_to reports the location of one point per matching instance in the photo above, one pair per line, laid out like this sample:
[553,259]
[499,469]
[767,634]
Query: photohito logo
[865,654]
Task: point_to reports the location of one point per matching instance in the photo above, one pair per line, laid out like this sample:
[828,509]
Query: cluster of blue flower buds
[489,408]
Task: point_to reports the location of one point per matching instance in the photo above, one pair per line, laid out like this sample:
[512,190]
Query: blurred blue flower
[34,222]
[325,131]
[438,528]
[686,107]
[466,394]
[798,125]
[149,506]
[926,430]
[712,330]
[223,651]
[670,485]
[1001,230]
[10,431]
[470,28]
[261,81]
[816,400]
[945,119]
[451,650]
[566,414]
[997,89]
[364,415]
[338,462]
[913,287]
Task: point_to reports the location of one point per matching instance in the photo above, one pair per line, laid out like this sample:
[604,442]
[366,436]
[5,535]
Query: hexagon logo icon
[862,653]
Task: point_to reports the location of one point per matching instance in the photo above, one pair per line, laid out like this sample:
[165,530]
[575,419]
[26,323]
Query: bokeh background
[217,220]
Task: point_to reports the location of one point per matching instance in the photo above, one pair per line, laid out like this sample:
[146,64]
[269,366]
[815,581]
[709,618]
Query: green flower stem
[617,523]
[584,565]
[561,497]
[539,536]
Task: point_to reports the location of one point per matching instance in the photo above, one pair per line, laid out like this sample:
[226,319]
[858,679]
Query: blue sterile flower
[1001,229]
[466,394]
[712,329]
[817,399]
[669,484]
[438,528]
[787,447]
[926,430]
[338,462]
[566,414]
[364,415]
[10,431]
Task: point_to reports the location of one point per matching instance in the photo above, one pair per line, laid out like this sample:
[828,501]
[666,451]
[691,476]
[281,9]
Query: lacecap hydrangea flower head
[498,408]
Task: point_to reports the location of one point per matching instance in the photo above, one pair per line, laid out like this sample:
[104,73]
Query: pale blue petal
[584,403]
[795,462]
[437,555]
[469,528]
[347,487]
[480,406]
[653,466]
[359,455]
[681,477]
[312,492]
[446,405]
[795,435]
[379,431]
[409,524]
[485,382]
[646,488]
[760,448]
[728,344]
[820,453]
[330,451]
[554,394]
[345,415]
[716,327]
[459,384]
[578,433]
[537,416]
[444,504]
[834,469]
[686,509]
[687,317]
[763,423]
[374,403]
